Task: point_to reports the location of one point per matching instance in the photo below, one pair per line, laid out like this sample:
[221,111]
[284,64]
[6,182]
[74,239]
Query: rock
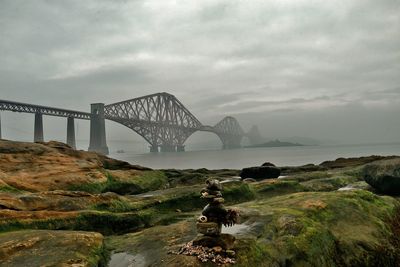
[209,228]
[230,253]
[260,173]
[384,176]
[348,228]
[217,249]
[225,241]
[249,180]
[352,162]
[51,248]
[55,166]
[268,164]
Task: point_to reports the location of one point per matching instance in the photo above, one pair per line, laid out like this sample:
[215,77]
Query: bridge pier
[231,142]
[168,148]
[180,148]
[0,127]
[71,132]
[98,141]
[38,130]
[154,149]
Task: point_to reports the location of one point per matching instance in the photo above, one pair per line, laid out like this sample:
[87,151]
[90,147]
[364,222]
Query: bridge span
[161,119]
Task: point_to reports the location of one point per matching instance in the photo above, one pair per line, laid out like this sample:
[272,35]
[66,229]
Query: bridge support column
[0,127]
[168,148]
[71,132]
[98,129]
[38,131]
[154,148]
[180,148]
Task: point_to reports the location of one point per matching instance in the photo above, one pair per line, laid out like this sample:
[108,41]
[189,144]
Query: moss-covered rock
[52,248]
[384,176]
[302,229]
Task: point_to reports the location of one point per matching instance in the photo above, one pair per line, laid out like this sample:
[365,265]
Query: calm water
[239,158]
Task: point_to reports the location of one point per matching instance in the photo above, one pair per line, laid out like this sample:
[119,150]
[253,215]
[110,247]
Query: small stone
[209,228]
[217,249]
[230,253]
[178,210]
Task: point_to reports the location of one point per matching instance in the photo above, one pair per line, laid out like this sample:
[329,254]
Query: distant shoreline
[275,143]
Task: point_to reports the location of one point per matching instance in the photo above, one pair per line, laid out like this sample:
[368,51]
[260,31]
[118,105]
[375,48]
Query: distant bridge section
[44,110]
[161,119]
[39,111]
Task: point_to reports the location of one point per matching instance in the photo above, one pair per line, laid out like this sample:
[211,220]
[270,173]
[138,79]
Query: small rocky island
[276,143]
[62,207]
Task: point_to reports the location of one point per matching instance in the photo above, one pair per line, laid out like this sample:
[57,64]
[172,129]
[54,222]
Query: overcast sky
[323,69]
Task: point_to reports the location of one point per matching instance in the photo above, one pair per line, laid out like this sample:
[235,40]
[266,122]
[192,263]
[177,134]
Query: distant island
[276,143]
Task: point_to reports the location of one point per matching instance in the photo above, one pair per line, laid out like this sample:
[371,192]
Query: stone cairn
[214,215]
[211,245]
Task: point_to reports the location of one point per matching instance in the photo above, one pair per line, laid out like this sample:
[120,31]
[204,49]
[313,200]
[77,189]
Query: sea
[214,158]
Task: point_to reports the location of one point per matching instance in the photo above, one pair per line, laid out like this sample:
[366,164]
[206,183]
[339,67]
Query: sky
[328,70]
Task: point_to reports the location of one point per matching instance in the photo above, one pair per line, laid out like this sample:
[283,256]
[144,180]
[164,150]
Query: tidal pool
[123,259]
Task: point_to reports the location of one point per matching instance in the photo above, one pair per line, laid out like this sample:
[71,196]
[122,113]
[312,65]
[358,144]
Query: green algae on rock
[350,228]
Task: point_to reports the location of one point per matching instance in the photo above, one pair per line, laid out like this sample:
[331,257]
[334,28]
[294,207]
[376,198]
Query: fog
[325,70]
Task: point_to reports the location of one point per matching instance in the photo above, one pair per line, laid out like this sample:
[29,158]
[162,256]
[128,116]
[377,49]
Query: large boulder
[268,164]
[384,176]
[260,173]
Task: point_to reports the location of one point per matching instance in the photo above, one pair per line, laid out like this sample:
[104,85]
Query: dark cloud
[288,60]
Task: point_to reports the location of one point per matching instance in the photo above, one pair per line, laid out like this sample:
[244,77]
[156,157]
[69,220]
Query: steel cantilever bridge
[161,119]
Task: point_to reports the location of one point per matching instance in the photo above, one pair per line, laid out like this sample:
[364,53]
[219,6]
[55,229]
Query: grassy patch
[148,181]
[278,187]
[9,189]
[238,192]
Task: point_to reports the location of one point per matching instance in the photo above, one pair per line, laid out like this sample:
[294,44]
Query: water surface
[244,157]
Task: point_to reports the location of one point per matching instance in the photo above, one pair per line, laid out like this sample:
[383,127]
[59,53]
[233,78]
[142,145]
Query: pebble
[205,254]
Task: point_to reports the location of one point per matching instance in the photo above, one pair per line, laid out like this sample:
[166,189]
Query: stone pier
[71,132]
[38,131]
[154,148]
[180,148]
[168,148]
[98,141]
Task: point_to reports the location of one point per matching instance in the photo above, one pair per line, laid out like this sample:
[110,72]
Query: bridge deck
[51,111]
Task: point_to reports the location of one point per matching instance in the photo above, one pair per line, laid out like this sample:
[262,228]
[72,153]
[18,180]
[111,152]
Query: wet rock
[384,176]
[260,173]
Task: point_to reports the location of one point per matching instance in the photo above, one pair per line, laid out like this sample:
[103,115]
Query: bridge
[161,119]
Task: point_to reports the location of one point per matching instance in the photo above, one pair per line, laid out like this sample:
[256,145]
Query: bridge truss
[161,119]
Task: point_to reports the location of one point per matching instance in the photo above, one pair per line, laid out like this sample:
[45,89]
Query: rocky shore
[62,207]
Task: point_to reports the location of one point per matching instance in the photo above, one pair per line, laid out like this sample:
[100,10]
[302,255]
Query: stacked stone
[209,224]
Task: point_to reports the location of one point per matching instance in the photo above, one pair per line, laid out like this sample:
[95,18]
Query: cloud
[219,57]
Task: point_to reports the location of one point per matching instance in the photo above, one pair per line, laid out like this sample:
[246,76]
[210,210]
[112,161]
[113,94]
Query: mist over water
[245,157]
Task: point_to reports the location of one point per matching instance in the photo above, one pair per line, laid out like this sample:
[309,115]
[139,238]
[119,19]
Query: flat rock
[42,248]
